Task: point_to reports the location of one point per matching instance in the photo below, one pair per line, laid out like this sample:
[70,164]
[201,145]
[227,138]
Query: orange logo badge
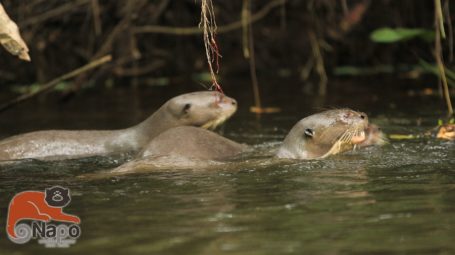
[41,209]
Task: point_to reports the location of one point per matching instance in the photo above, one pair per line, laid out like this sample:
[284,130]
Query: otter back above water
[184,147]
[52,144]
[192,142]
[204,109]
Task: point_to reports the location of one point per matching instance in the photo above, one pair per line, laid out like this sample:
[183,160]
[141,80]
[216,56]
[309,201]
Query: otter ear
[309,133]
[186,108]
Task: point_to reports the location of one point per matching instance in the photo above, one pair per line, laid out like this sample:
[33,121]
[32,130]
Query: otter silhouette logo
[31,215]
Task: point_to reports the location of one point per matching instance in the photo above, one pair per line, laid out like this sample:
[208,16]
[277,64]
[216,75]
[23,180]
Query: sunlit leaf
[401,137]
[391,35]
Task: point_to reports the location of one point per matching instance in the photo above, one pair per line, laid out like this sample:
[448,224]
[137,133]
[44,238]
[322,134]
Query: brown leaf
[255,109]
[10,37]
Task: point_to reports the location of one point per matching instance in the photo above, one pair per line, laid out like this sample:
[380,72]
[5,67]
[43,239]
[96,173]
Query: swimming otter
[205,109]
[314,137]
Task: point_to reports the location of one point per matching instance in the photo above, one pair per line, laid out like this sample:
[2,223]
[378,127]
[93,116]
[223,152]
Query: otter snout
[360,135]
[228,104]
[364,118]
[224,107]
[359,119]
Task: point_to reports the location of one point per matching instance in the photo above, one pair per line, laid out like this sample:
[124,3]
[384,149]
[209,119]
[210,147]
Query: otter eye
[186,108]
[309,133]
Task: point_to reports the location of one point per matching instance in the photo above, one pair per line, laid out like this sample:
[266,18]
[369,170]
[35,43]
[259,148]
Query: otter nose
[363,117]
[229,101]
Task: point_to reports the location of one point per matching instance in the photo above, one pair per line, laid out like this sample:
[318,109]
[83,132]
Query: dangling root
[212,52]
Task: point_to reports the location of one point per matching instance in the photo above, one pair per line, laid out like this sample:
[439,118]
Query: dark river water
[396,199]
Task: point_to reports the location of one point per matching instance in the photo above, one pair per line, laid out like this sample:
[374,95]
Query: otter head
[206,109]
[57,196]
[324,134]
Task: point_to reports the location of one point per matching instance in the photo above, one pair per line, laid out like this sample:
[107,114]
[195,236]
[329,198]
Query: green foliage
[450,121]
[33,88]
[26,89]
[392,35]
[356,71]
[202,76]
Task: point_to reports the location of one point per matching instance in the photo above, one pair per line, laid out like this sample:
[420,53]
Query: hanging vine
[208,25]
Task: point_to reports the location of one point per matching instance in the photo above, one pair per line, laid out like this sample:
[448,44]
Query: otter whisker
[352,134]
[340,138]
[343,139]
[356,133]
[346,136]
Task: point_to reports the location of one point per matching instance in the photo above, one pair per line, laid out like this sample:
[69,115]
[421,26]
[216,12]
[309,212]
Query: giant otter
[314,137]
[203,109]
